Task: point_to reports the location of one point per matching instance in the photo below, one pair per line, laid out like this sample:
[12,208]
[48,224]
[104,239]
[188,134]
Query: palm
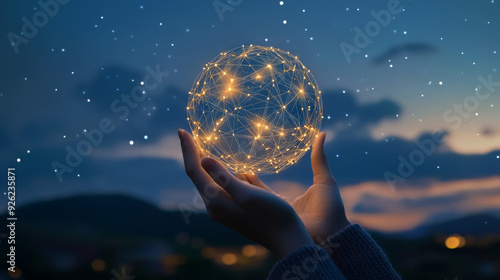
[321,210]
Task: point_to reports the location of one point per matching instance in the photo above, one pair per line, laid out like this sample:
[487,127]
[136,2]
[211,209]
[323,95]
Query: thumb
[319,163]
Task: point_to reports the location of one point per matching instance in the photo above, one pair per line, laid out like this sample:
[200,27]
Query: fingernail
[179,132]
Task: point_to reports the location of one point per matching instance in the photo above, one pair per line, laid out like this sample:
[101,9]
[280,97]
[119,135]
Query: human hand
[321,208]
[244,204]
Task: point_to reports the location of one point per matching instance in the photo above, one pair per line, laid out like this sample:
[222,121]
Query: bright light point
[18,160]
[28,151]
[284,22]
[269,66]
[145,137]
[131,142]
[281,3]
[440,83]
[142,83]
[88,100]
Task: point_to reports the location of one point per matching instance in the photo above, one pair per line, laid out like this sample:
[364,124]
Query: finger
[239,190]
[242,177]
[192,164]
[255,180]
[201,153]
[319,163]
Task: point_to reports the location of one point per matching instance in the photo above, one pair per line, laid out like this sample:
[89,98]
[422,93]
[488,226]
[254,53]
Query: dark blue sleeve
[358,256]
[308,262]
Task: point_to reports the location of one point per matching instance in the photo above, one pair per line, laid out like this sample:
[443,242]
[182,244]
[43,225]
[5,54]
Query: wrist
[331,231]
[292,240]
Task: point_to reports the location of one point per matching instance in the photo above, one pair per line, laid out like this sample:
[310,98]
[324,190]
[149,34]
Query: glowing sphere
[255,109]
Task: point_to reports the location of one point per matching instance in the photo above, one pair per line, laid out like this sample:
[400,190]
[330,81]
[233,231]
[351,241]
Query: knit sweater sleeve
[308,262]
[357,255]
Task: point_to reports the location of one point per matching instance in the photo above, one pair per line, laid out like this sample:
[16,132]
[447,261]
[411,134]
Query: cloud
[488,132]
[165,148]
[343,107]
[395,52]
[377,207]
[353,154]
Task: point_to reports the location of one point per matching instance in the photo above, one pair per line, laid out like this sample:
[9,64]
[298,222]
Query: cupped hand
[244,204]
[321,208]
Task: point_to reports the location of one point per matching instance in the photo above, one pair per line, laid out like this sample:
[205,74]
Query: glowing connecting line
[256,109]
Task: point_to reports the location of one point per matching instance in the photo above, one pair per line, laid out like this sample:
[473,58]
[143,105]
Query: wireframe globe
[255,109]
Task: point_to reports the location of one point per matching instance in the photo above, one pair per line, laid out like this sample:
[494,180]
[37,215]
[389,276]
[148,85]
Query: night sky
[417,98]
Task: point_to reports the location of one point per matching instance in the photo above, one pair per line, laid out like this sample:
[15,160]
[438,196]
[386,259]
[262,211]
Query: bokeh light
[249,250]
[98,265]
[256,109]
[229,259]
[17,273]
[454,241]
